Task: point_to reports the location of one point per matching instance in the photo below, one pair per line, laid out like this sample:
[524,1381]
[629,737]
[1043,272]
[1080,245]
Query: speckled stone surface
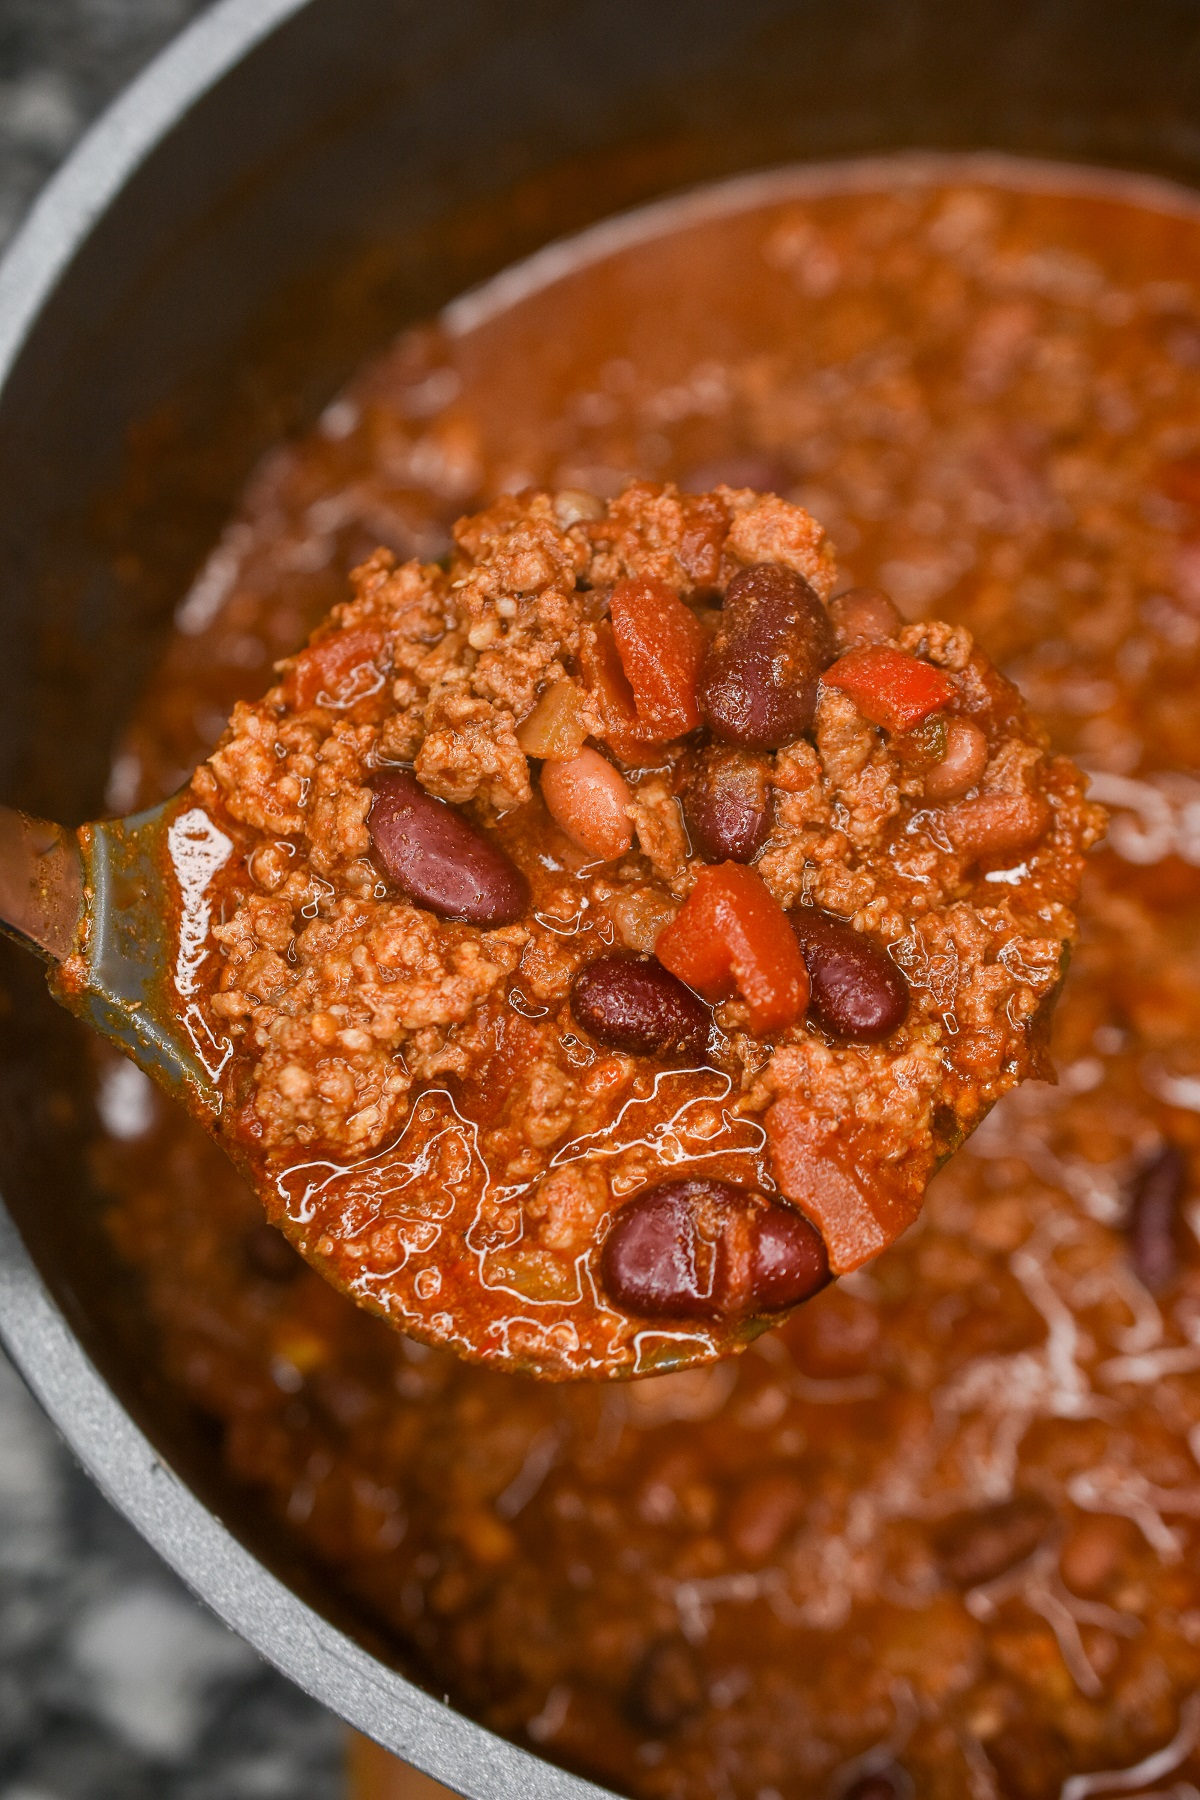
[114,1683]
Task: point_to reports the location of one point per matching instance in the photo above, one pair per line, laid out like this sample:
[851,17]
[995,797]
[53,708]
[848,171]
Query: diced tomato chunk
[661,644]
[338,670]
[859,1210]
[605,681]
[731,935]
[889,687]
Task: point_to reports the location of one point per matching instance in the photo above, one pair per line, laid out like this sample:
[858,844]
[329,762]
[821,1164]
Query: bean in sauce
[758,682]
[857,990]
[727,804]
[707,1249]
[1153,1216]
[439,859]
[862,616]
[639,1007]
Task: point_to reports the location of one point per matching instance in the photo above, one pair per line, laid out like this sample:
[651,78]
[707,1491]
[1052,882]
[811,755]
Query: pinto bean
[707,1249]
[758,681]
[997,823]
[857,990]
[588,799]
[1153,1210]
[727,804]
[962,764]
[439,859]
[640,1008]
[863,616]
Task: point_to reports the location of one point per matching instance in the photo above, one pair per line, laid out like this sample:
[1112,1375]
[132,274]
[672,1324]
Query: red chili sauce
[937,1533]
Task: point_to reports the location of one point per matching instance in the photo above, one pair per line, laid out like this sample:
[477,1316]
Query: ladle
[121,909]
[118,908]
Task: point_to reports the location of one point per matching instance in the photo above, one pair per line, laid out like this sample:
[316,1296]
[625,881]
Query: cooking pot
[281,191]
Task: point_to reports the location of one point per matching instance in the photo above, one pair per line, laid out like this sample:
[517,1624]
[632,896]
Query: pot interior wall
[362,166]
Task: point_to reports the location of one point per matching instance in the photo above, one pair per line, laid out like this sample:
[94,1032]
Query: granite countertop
[114,1683]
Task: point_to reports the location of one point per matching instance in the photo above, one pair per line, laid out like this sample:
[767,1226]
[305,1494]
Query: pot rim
[322,1660]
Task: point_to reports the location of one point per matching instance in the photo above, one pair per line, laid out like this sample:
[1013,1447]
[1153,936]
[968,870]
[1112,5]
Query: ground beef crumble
[365,1027]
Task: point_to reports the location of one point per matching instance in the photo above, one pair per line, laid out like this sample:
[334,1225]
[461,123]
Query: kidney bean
[269,1254]
[997,823]
[758,681]
[439,859]
[1153,1210]
[857,990]
[666,1687]
[974,1547]
[727,804]
[962,764]
[640,1008]
[862,616]
[588,799]
[789,1261]
[890,1783]
[707,1249]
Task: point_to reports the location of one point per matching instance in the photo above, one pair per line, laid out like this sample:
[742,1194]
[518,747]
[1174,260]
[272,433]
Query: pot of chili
[291,182]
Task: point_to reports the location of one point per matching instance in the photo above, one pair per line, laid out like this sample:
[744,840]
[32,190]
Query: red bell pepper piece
[889,687]
[343,667]
[661,644]
[731,934]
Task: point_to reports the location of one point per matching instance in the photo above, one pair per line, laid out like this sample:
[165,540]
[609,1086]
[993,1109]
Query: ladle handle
[41,883]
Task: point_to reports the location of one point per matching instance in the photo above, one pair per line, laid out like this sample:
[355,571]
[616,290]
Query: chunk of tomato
[889,687]
[661,645]
[732,936]
[337,671]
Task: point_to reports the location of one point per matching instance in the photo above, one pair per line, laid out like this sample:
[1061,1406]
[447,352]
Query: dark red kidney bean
[710,1250]
[974,1547]
[1153,1210]
[788,1262]
[639,1007]
[666,1687]
[863,616]
[890,1783]
[439,859]
[727,804]
[857,990]
[269,1254]
[758,681]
